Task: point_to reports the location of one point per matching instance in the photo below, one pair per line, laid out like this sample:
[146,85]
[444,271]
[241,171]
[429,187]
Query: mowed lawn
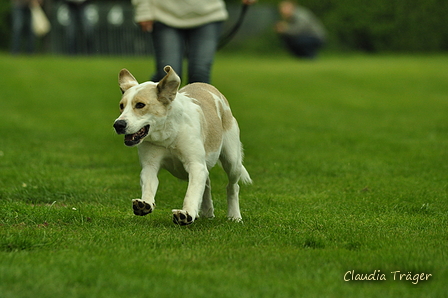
[348,154]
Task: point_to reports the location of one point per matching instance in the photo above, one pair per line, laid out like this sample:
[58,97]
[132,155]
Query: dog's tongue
[133,139]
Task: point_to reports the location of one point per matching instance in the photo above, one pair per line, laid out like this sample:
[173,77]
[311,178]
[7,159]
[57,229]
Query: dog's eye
[121,106]
[139,105]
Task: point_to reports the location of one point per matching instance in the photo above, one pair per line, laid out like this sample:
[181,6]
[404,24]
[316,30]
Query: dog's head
[144,106]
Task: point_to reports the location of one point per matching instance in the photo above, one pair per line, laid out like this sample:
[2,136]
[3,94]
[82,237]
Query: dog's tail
[245,177]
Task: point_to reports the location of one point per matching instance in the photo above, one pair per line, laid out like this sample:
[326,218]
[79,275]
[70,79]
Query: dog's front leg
[149,183]
[150,161]
[197,177]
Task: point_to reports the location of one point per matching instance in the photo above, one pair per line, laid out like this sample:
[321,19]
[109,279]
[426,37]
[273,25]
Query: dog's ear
[168,86]
[126,80]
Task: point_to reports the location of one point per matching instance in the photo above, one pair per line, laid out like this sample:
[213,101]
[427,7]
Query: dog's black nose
[120,126]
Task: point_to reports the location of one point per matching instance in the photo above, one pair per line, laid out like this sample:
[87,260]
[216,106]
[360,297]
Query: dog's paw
[182,217]
[235,219]
[142,208]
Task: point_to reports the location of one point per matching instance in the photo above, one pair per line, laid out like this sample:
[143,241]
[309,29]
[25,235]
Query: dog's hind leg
[233,204]
[207,202]
[231,160]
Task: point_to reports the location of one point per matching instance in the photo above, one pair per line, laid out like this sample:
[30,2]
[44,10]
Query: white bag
[40,23]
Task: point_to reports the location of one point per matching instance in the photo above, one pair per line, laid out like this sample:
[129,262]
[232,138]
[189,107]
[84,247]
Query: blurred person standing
[301,31]
[183,28]
[22,30]
[79,26]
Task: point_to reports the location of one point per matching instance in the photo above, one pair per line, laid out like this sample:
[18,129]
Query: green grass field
[349,157]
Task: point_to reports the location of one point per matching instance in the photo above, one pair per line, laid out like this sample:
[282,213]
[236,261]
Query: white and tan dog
[186,132]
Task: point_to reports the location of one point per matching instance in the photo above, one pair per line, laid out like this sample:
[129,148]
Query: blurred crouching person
[22,30]
[301,31]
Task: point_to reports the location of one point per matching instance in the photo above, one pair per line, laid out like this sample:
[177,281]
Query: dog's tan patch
[215,108]
[148,96]
[227,117]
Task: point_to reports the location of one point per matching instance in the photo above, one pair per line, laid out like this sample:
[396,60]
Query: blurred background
[352,25]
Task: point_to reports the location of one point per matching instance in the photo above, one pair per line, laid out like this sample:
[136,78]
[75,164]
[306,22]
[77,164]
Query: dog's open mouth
[135,138]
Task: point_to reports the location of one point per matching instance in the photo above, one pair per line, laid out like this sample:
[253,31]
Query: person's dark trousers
[303,46]
[198,44]
[79,24]
[21,27]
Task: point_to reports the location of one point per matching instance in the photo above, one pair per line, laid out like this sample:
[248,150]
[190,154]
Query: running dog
[186,132]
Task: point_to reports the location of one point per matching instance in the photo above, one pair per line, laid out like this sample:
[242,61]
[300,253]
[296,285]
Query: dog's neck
[165,134]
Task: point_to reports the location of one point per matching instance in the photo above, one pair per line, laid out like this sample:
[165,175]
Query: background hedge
[366,25]
[384,25]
